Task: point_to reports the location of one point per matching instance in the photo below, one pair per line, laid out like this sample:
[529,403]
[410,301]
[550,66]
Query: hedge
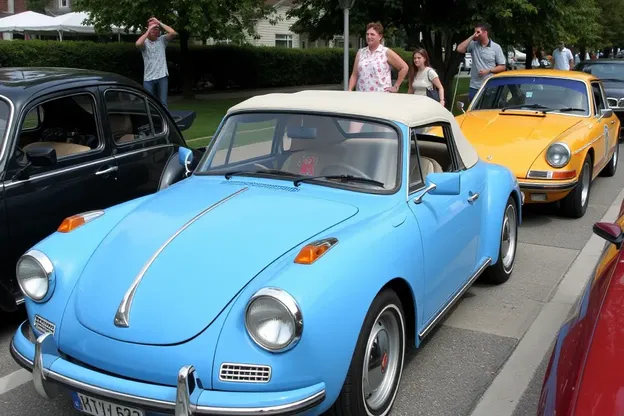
[217,67]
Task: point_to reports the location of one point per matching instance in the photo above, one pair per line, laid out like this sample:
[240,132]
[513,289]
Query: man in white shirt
[563,58]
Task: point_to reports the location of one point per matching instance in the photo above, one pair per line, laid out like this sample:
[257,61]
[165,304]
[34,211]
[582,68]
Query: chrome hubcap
[585,185]
[382,359]
[508,239]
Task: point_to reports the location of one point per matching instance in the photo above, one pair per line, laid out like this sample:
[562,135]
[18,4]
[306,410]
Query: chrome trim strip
[122,318]
[454,299]
[86,164]
[293,408]
[576,152]
[9,126]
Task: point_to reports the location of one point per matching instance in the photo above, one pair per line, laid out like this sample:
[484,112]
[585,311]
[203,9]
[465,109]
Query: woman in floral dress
[371,69]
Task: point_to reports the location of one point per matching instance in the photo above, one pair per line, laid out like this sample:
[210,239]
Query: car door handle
[473,198]
[105,171]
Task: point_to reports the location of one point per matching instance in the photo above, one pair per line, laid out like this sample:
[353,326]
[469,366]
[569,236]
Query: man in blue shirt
[152,46]
[487,57]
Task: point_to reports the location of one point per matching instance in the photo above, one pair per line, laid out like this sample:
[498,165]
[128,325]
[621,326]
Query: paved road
[462,357]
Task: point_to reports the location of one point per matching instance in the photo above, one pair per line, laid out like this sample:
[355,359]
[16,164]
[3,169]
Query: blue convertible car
[320,234]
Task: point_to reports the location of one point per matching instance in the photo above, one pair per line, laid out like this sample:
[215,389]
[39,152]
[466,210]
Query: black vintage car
[74,141]
[611,73]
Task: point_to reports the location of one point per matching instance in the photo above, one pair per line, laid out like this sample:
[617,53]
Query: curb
[504,393]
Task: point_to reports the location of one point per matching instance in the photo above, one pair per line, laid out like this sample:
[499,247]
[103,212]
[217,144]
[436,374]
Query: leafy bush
[217,67]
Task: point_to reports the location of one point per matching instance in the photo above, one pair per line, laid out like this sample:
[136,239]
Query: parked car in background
[611,73]
[585,372]
[317,238]
[73,141]
[552,128]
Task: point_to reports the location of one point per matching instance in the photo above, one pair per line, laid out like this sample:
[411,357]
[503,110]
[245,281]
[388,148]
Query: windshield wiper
[535,106]
[228,175]
[567,109]
[343,178]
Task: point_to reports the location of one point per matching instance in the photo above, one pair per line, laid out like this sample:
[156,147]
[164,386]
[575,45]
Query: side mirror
[185,157]
[447,183]
[610,232]
[460,106]
[606,112]
[41,156]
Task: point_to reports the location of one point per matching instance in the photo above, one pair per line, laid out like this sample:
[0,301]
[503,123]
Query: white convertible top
[409,109]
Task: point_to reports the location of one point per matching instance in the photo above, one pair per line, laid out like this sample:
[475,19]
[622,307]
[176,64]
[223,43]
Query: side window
[414,174]
[67,124]
[599,103]
[128,118]
[436,153]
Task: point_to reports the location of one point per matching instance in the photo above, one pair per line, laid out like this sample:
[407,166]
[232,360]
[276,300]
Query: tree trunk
[528,62]
[185,67]
[582,52]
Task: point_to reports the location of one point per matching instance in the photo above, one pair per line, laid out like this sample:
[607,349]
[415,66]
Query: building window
[63,3]
[284,41]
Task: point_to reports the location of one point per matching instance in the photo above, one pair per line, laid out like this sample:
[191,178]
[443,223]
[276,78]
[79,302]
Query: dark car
[585,373]
[74,141]
[611,73]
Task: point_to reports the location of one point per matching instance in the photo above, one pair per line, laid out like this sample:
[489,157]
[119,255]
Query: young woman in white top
[371,69]
[422,77]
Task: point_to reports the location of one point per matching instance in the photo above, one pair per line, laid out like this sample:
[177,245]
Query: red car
[585,375]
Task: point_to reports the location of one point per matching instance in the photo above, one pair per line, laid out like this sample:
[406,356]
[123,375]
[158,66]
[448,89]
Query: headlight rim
[48,269]
[291,305]
[567,148]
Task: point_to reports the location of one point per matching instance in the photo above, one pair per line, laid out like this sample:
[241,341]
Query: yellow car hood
[513,139]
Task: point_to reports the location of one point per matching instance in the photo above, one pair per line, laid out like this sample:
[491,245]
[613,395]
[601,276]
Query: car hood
[513,139]
[195,271]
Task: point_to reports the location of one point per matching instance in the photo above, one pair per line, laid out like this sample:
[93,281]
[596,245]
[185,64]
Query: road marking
[503,395]
[14,380]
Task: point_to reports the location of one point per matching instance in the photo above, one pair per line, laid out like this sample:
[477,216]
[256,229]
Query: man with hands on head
[152,46]
[487,57]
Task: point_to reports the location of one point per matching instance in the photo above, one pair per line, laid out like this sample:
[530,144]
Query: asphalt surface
[463,355]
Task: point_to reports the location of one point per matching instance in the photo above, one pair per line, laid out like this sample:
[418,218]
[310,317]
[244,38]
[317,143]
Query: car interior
[66,124]
[128,118]
[432,156]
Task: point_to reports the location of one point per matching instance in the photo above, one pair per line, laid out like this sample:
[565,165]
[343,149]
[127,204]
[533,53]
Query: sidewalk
[249,93]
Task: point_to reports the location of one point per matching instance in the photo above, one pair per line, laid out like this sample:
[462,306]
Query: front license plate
[96,407]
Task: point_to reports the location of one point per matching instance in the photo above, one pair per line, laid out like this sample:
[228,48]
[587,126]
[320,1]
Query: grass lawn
[211,111]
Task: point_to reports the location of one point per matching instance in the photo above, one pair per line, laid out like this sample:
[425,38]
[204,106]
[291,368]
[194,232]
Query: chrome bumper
[546,186]
[47,381]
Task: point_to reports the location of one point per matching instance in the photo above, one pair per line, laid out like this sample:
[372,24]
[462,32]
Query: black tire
[573,205]
[611,167]
[501,271]
[351,401]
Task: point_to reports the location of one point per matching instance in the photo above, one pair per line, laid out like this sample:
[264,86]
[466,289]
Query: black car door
[143,139]
[38,198]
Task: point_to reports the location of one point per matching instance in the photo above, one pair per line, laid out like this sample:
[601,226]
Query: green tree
[232,19]
[38,6]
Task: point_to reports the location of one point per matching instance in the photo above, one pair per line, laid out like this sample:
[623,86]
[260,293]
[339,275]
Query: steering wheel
[344,170]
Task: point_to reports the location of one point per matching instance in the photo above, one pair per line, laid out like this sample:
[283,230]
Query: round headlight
[274,320]
[35,275]
[558,155]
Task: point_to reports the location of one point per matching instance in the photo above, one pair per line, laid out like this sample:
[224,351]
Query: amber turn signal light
[71,223]
[313,251]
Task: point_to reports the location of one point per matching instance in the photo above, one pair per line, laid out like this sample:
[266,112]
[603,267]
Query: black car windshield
[535,94]
[354,153]
[5,113]
[607,71]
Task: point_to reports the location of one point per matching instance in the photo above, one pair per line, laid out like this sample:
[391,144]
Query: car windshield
[546,94]
[605,70]
[5,113]
[329,150]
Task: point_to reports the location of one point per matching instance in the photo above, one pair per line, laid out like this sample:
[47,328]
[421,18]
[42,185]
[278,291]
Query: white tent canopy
[36,22]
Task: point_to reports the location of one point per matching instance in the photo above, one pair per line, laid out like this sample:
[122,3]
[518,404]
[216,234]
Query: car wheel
[500,271]
[575,203]
[374,375]
[611,167]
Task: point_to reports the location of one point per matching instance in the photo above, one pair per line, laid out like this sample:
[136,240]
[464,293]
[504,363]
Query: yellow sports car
[553,129]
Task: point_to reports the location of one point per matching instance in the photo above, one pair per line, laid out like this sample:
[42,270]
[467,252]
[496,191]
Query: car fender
[501,184]
[69,254]
[334,295]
